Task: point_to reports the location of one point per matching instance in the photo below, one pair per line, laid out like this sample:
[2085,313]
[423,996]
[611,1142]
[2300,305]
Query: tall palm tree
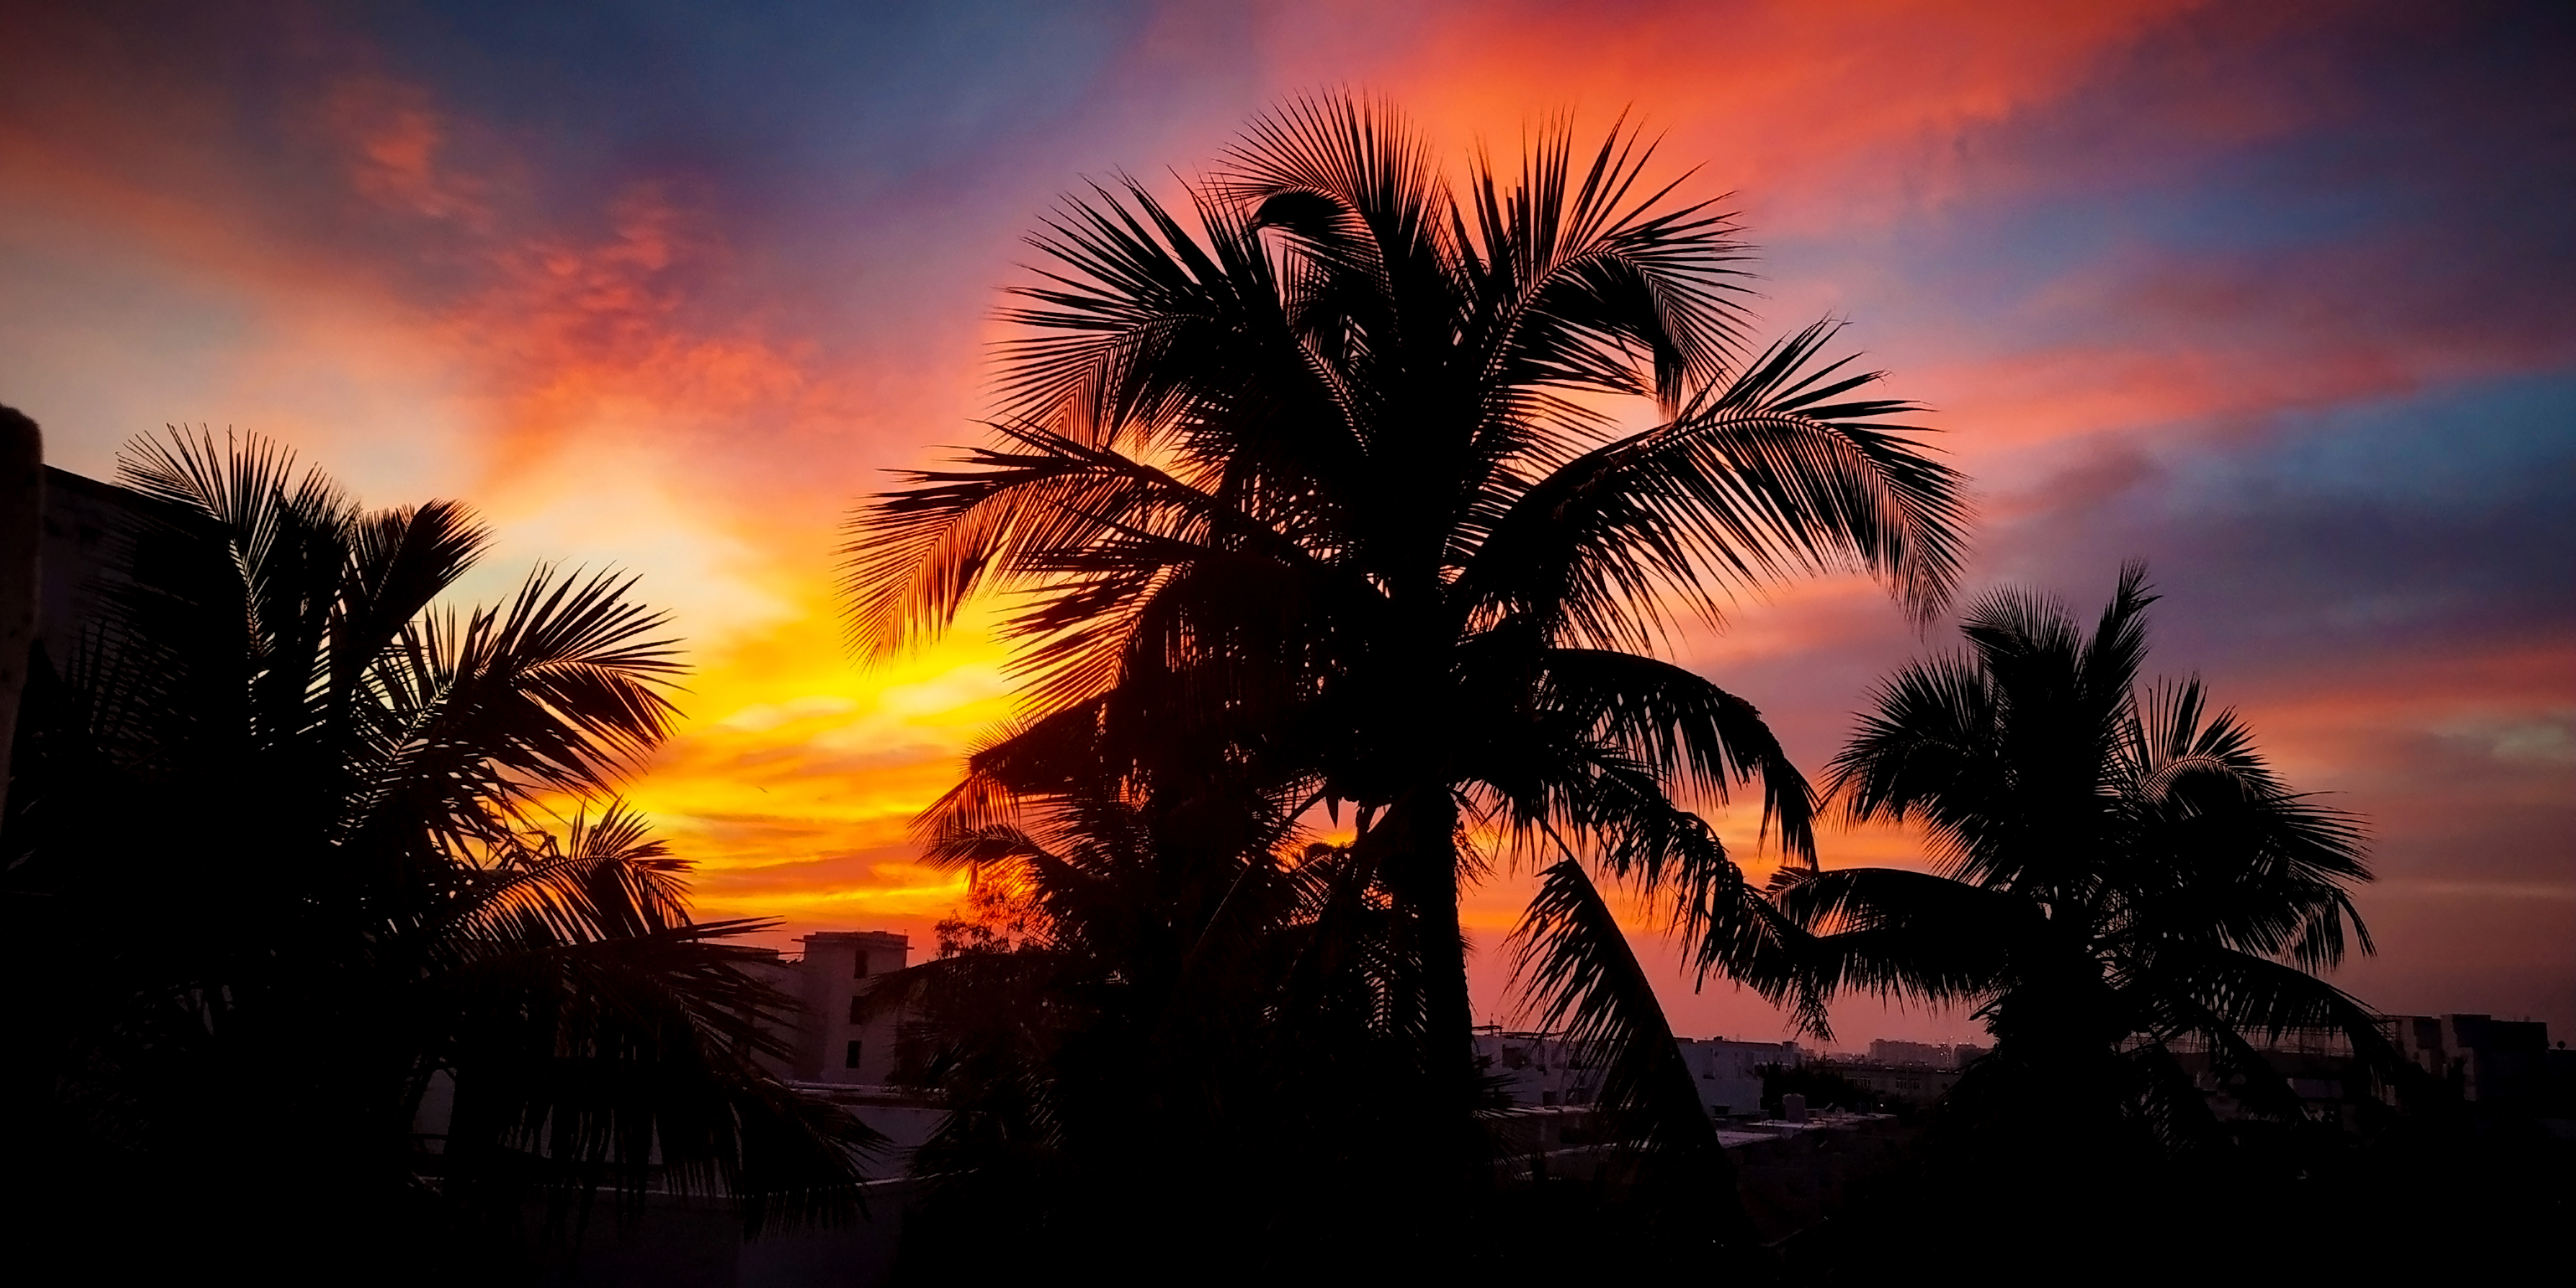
[1385,493]
[326,815]
[2117,877]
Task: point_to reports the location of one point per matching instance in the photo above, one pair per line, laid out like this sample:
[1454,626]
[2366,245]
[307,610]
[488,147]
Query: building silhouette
[838,1041]
[2498,1066]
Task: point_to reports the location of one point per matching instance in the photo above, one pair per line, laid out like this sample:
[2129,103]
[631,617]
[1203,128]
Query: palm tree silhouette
[327,813]
[2117,876]
[1186,1059]
[1334,493]
[1160,1061]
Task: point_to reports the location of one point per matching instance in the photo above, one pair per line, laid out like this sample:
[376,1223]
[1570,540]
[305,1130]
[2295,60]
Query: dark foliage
[1179,1078]
[1319,490]
[1822,1087]
[2420,1199]
[1160,1062]
[2116,878]
[358,850]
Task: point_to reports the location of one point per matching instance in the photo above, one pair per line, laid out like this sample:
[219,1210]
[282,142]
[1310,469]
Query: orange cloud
[1840,112]
[393,141]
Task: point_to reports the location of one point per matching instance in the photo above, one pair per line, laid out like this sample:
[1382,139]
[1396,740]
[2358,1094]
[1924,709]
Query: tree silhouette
[1188,1058]
[326,813]
[2116,876]
[1333,493]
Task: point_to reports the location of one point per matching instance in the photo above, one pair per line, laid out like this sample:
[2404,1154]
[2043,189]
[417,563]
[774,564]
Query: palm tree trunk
[1416,843]
[1419,834]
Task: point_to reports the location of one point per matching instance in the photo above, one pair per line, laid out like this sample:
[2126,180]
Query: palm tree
[1166,1061]
[2116,878]
[326,813]
[1333,493]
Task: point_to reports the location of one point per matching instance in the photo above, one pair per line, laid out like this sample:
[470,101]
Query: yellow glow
[793,779]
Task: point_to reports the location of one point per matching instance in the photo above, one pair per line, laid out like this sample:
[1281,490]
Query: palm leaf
[1572,960]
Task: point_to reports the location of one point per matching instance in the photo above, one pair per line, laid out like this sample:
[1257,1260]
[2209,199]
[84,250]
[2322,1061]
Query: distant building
[835,1044]
[839,1054]
[1730,1073]
[1535,1069]
[1914,1082]
[1894,1054]
[2501,1066]
[1885,1051]
[1792,1172]
[1916,1073]
[1542,1070]
[2330,1084]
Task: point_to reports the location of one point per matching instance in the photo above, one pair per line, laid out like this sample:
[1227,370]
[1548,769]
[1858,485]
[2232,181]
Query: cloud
[2267,295]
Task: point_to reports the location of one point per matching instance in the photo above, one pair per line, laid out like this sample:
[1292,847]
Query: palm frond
[1747,487]
[1927,748]
[564,686]
[1660,714]
[1586,274]
[606,878]
[1893,932]
[399,561]
[1572,960]
[625,1062]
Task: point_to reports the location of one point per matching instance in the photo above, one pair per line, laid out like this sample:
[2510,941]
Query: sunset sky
[2274,296]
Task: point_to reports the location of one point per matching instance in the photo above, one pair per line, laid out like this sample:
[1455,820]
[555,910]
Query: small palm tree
[1168,1062]
[324,812]
[1332,493]
[2117,877]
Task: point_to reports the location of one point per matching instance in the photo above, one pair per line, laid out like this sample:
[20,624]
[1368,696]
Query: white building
[840,1055]
[1730,1073]
[1543,1070]
[833,1043]
[1535,1069]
